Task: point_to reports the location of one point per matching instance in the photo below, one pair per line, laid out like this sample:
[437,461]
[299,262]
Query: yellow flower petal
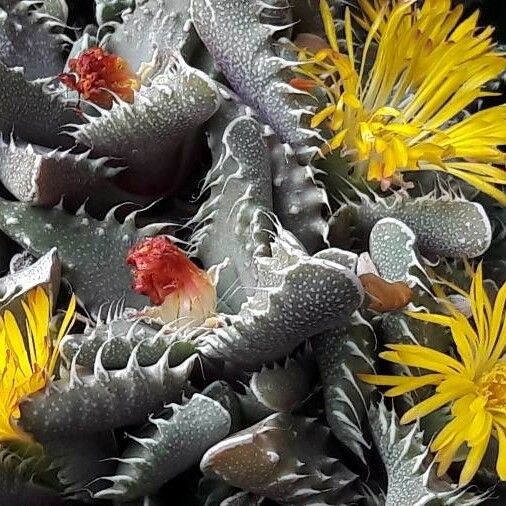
[429,65]
[400,151]
[379,379]
[328,23]
[68,321]
[412,383]
[475,389]
[338,139]
[407,130]
[16,344]
[446,456]
[473,461]
[450,433]
[348,30]
[322,115]
[438,319]
[424,357]
[427,406]
[38,315]
[351,100]
[501,456]
[480,427]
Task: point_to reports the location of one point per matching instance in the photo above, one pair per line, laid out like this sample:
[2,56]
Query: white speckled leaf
[241,47]
[146,133]
[110,10]
[154,27]
[341,355]
[169,445]
[411,481]
[103,400]
[283,388]
[43,177]
[300,201]
[289,459]
[234,222]
[444,225]
[298,297]
[92,252]
[30,45]
[80,460]
[115,339]
[32,113]
[17,486]
[391,246]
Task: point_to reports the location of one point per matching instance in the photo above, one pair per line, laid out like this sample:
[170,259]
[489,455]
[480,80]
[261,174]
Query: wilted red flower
[95,73]
[164,273]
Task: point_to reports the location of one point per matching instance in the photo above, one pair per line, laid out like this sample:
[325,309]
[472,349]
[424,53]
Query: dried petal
[385,296]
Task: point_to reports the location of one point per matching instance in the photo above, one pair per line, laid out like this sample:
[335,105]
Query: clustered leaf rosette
[254,253]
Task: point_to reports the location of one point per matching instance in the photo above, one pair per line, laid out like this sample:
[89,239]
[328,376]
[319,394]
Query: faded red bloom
[95,73]
[164,273]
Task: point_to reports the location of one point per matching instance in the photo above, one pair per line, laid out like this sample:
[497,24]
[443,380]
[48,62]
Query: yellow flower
[402,109]
[27,363]
[474,384]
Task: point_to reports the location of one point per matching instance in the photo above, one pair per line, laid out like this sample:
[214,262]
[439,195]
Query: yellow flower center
[492,386]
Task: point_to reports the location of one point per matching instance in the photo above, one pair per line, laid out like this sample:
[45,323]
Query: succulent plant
[284,458]
[233,224]
[122,397]
[245,55]
[267,326]
[162,451]
[86,246]
[342,354]
[437,221]
[15,485]
[300,199]
[80,461]
[225,227]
